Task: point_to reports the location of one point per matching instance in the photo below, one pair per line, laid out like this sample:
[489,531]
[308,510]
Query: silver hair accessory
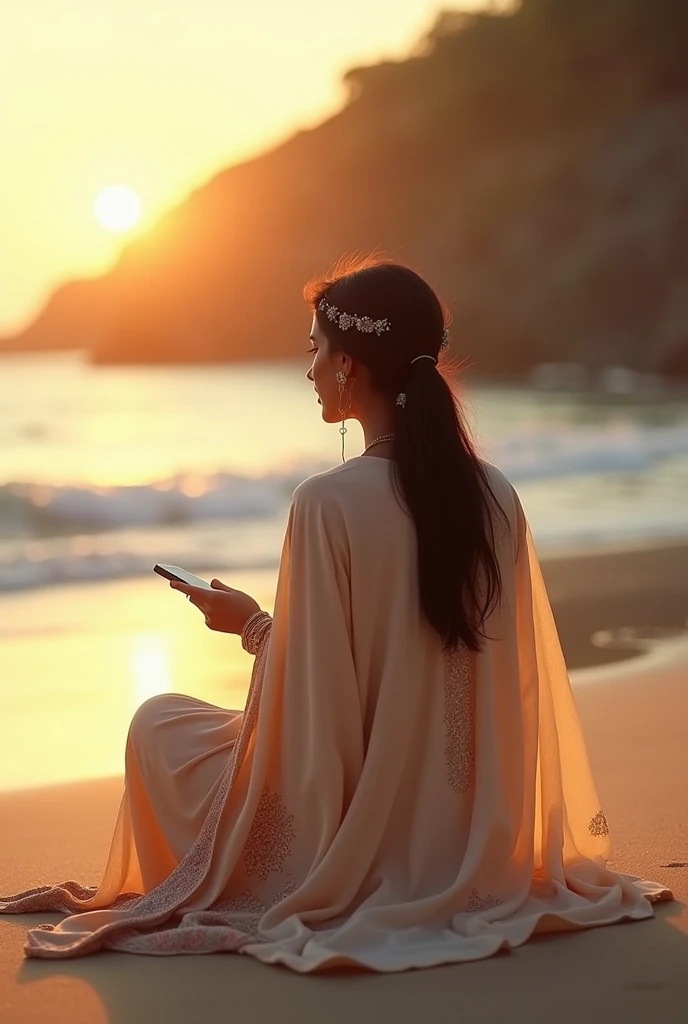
[364,323]
[401,397]
[346,320]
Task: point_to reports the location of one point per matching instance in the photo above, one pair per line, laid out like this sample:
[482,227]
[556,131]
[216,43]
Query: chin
[328,415]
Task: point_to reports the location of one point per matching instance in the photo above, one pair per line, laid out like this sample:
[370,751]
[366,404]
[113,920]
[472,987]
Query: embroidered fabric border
[477,902]
[459,715]
[268,843]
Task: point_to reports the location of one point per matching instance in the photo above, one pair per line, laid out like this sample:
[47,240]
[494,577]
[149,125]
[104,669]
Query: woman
[408,784]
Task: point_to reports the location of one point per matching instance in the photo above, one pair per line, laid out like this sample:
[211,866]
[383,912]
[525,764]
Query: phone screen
[175,572]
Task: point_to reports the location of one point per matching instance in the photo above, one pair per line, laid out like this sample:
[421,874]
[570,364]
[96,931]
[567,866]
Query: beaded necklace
[378,440]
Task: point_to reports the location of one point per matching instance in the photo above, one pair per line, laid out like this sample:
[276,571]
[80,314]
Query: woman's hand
[226,611]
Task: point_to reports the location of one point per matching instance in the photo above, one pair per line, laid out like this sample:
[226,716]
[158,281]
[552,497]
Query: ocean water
[106,470]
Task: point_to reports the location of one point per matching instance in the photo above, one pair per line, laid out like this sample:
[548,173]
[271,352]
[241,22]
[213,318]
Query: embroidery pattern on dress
[289,888]
[598,825]
[241,912]
[246,900]
[459,714]
[477,902]
[245,910]
[268,843]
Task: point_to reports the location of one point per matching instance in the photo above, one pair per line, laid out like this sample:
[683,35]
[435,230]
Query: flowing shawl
[385,803]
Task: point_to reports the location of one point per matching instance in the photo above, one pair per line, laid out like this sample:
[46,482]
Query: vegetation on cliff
[533,164]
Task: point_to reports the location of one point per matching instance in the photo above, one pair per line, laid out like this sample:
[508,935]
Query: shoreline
[599,594]
[620,678]
[562,551]
[78,661]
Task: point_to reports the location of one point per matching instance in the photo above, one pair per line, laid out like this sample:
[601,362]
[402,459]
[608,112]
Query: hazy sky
[157,95]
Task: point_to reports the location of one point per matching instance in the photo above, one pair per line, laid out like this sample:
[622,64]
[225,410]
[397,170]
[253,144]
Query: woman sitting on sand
[408,784]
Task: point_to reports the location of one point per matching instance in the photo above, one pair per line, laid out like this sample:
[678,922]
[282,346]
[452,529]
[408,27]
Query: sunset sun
[117,208]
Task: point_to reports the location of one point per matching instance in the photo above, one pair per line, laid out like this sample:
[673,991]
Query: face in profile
[323,372]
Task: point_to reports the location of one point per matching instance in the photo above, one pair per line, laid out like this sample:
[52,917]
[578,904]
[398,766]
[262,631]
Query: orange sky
[157,95]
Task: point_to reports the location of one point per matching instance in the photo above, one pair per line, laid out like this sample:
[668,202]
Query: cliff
[533,165]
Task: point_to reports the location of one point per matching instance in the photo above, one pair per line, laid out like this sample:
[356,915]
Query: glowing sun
[117,207]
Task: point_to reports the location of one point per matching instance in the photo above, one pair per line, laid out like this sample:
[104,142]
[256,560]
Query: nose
[310,375]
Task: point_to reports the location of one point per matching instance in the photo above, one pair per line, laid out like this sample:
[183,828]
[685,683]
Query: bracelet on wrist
[254,632]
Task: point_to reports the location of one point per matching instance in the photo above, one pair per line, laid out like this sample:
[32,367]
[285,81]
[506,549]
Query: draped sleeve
[309,725]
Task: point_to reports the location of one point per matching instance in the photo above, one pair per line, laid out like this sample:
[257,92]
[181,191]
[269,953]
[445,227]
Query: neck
[376,421]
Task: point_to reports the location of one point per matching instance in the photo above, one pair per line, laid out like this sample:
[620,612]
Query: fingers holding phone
[193,594]
[226,610]
[191,585]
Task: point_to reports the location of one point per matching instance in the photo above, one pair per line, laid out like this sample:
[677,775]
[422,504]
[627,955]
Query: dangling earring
[341,381]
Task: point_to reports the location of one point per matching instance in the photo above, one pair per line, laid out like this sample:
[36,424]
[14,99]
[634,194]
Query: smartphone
[174,572]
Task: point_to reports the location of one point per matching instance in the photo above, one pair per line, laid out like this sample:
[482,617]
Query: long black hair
[441,478]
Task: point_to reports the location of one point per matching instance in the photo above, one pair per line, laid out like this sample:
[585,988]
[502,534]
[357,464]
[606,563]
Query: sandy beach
[633,706]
